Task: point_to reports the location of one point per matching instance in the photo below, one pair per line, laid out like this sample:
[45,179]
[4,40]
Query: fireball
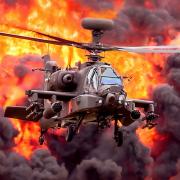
[63,19]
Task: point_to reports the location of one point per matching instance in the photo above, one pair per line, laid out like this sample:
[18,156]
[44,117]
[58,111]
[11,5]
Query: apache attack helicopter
[91,92]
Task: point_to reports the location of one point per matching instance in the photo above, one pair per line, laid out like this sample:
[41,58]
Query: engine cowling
[64,80]
[68,78]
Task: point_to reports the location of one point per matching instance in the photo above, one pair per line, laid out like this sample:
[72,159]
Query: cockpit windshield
[109,77]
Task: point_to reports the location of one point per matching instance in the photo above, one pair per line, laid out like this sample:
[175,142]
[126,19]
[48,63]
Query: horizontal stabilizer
[17,112]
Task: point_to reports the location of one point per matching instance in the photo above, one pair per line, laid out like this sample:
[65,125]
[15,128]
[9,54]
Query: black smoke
[98,5]
[137,24]
[92,155]
[97,169]
[7,133]
[177,176]
[41,165]
[167,98]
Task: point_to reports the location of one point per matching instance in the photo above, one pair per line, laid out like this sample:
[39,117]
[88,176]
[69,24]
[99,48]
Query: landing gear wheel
[41,140]
[41,137]
[70,133]
[118,134]
[119,138]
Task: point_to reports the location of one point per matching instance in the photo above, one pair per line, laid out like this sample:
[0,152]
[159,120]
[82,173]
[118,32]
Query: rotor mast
[97,26]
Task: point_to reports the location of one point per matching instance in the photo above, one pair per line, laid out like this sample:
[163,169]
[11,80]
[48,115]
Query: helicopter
[90,92]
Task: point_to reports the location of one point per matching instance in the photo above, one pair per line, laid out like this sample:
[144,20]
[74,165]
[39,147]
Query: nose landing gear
[118,134]
[41,137]
[71,131]
[73,128]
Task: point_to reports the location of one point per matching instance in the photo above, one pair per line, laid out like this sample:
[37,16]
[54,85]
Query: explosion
[145,22]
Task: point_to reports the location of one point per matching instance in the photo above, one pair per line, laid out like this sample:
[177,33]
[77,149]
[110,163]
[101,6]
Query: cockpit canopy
[103,75]
[109,77]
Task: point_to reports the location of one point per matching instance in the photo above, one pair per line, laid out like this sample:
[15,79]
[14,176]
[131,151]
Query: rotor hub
[97,26]
[94,57]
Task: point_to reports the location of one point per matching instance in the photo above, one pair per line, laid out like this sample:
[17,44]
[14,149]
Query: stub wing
[42,94]
[17,112]
[148,108]
[141,103]
[130,110]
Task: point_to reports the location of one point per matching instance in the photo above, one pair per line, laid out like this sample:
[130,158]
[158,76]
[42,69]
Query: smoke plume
[168,100]
[41,166]
[88,151]
[97,5]
[93,154]
[136,24]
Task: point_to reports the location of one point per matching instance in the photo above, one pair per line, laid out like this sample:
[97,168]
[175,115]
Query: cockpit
[102,75]
[109,77]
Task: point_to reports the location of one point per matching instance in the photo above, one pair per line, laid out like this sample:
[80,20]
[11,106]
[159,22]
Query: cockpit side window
[109,77]
[108,72]
[90,76]
[92,79]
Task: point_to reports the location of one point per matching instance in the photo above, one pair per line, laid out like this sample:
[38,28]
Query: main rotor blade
[59,39]
[148,49]
[65,41]
[37,39]
[98,48]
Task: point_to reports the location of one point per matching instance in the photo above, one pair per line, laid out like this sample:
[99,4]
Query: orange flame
[62,18]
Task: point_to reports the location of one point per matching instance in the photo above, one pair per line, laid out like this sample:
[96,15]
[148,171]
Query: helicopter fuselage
[92,92]
[97,90]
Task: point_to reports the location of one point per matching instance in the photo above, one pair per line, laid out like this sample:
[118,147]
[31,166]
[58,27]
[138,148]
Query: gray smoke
[173,70]
[90,150]
[74,152]
[41,166]
[177,177]
[132,156]
[97,5]
[96,169]
[44,166]
[171,6]
[168,99]
[22,69]
[7,133]
[93,154]
[136,25]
